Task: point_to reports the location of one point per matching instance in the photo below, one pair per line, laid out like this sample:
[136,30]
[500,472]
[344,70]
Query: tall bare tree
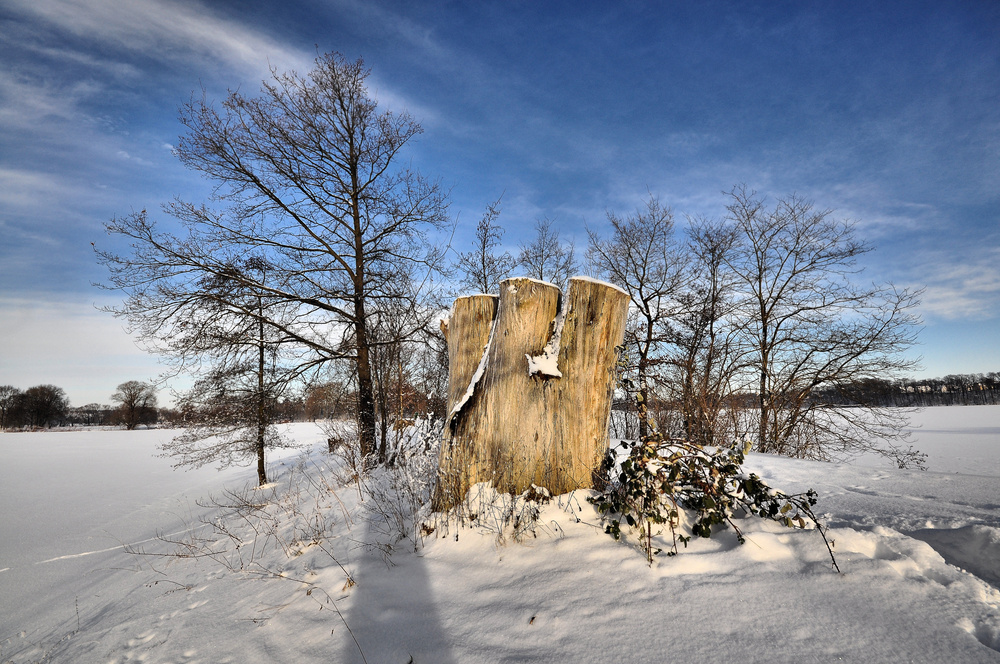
[243,367]
[483,268]
[642,257]
[307,178]
[809,324]
[136,403]
[706,354]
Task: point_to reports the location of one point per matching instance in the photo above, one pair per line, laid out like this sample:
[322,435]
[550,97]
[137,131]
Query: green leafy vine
[659,477]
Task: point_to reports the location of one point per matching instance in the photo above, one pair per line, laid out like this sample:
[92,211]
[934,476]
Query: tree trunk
[262,419]
[534,408]
[366,390]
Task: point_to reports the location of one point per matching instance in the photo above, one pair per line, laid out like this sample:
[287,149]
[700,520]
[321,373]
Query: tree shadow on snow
[393,614]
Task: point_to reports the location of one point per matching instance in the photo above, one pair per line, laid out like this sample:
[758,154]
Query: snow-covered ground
[919,550]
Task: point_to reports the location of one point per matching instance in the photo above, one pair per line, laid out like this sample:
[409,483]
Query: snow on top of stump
[468,296]
[513,289]
[598,281]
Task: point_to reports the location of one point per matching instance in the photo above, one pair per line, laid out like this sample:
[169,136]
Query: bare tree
[808,324]
[546,258]
[706,353]
[9,397]
[224,329]
[482,268]
[642,257]
[306,173]
[136,403]
[219,426]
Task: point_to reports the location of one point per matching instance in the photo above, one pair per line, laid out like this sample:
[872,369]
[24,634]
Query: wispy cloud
[224,48]
[44,197]
[139,161]
[961,287]
[20,188]
[177,31]
[386,22]
[28,101]
[878,212]
[111,40]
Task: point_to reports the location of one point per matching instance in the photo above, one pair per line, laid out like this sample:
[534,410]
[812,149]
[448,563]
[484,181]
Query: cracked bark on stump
[514,429]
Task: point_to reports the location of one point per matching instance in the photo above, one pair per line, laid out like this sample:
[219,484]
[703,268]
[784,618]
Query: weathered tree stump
[531,377]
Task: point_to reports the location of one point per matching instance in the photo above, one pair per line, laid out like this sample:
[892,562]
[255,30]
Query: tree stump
[531,377]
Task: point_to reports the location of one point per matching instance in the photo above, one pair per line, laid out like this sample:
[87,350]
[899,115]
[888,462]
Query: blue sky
[887,112]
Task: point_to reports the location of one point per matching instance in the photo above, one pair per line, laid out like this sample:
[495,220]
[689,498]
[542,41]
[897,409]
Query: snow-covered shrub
[649,484]
[503,515]
[657,481]
[397,494]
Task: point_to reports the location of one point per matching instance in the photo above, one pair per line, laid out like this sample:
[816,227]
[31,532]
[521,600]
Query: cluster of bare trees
[979,389]
[741,325]
[45,406]
[40,406]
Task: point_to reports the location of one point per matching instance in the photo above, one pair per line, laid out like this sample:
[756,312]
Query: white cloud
[34,200]
[125,156]
[966,287]
[409,32]
[217,50]
[877,211]
[21,188]
[171,30]
[391,100]
[26,102]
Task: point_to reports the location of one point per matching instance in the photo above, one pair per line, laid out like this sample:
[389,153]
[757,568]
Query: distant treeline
[47,406]
[978,389]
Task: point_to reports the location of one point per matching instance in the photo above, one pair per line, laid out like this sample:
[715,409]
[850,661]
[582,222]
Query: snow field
[919,552]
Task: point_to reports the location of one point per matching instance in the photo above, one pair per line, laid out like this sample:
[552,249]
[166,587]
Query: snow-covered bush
[657,481]
[650,483]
